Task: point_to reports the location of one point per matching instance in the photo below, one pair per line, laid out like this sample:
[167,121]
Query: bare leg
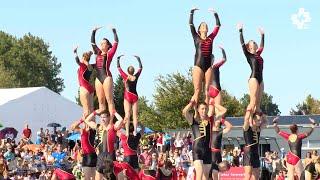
[206,171]
[291,171]
[299,169]
[135,109]
[197,77]
[127,110]
[198,166]
[261,90]
[219,109]
[208,82]
[253,92]
[101,96]
[247,172]
[108,91]
[85,99]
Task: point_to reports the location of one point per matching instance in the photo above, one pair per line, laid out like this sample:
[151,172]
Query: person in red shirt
[26,134]
[167,172]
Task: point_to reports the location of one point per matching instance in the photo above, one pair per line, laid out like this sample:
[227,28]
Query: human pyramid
[206,117]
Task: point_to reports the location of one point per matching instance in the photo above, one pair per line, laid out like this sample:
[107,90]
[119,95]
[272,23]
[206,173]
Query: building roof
[283,120]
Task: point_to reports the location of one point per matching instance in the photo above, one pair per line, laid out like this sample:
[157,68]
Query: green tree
[309,106]
[118,95]
[148,115]
[28,62]
[267,105]
[234,108]
[173,92]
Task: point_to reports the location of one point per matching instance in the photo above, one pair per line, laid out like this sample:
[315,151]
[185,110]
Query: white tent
[36,106]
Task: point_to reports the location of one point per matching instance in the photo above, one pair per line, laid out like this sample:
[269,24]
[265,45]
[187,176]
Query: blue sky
[158,31]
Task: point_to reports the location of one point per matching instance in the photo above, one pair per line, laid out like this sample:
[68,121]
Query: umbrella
[147,130]
[74,137]
[8,132]
[32,147]
[54,125]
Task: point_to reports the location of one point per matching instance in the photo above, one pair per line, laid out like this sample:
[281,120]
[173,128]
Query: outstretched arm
[192,28]
[122,73]
[89,120]
[140,66]
[186,112]
[218,24]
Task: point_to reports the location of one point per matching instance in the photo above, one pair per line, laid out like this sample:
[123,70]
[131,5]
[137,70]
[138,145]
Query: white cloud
[301,19]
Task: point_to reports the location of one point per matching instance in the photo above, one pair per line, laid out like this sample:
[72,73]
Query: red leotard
[87,141]
[84,76]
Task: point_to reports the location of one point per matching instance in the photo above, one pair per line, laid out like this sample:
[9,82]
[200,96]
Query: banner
[235,173]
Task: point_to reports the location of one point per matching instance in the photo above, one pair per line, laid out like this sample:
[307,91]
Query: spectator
[276,165]
[145,157]
[9,155]
[236,158]
[26,134]
[308,159]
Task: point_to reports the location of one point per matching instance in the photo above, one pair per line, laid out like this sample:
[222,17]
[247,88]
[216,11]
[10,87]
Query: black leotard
[311,168]
[251,154]
[254,60]
[203,53]
[216,71]
[201,145]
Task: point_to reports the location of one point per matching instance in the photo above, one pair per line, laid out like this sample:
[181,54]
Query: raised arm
[243,44]
[118,125]
[192,28]
[113,50]
[122,73]
[76,55]
[223,60]
[93,40]
[218,24]
[262,38]
[275,124]
[140,66]
[186,112]
[115,35]
[313,125]
[89,120]
[228,126]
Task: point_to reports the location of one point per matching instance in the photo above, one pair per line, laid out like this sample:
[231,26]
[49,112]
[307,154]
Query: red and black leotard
[294,155]
[130,91]
[203,53]
[88,151]
[254,60]
[103,61]
[215,88]
[84,76]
